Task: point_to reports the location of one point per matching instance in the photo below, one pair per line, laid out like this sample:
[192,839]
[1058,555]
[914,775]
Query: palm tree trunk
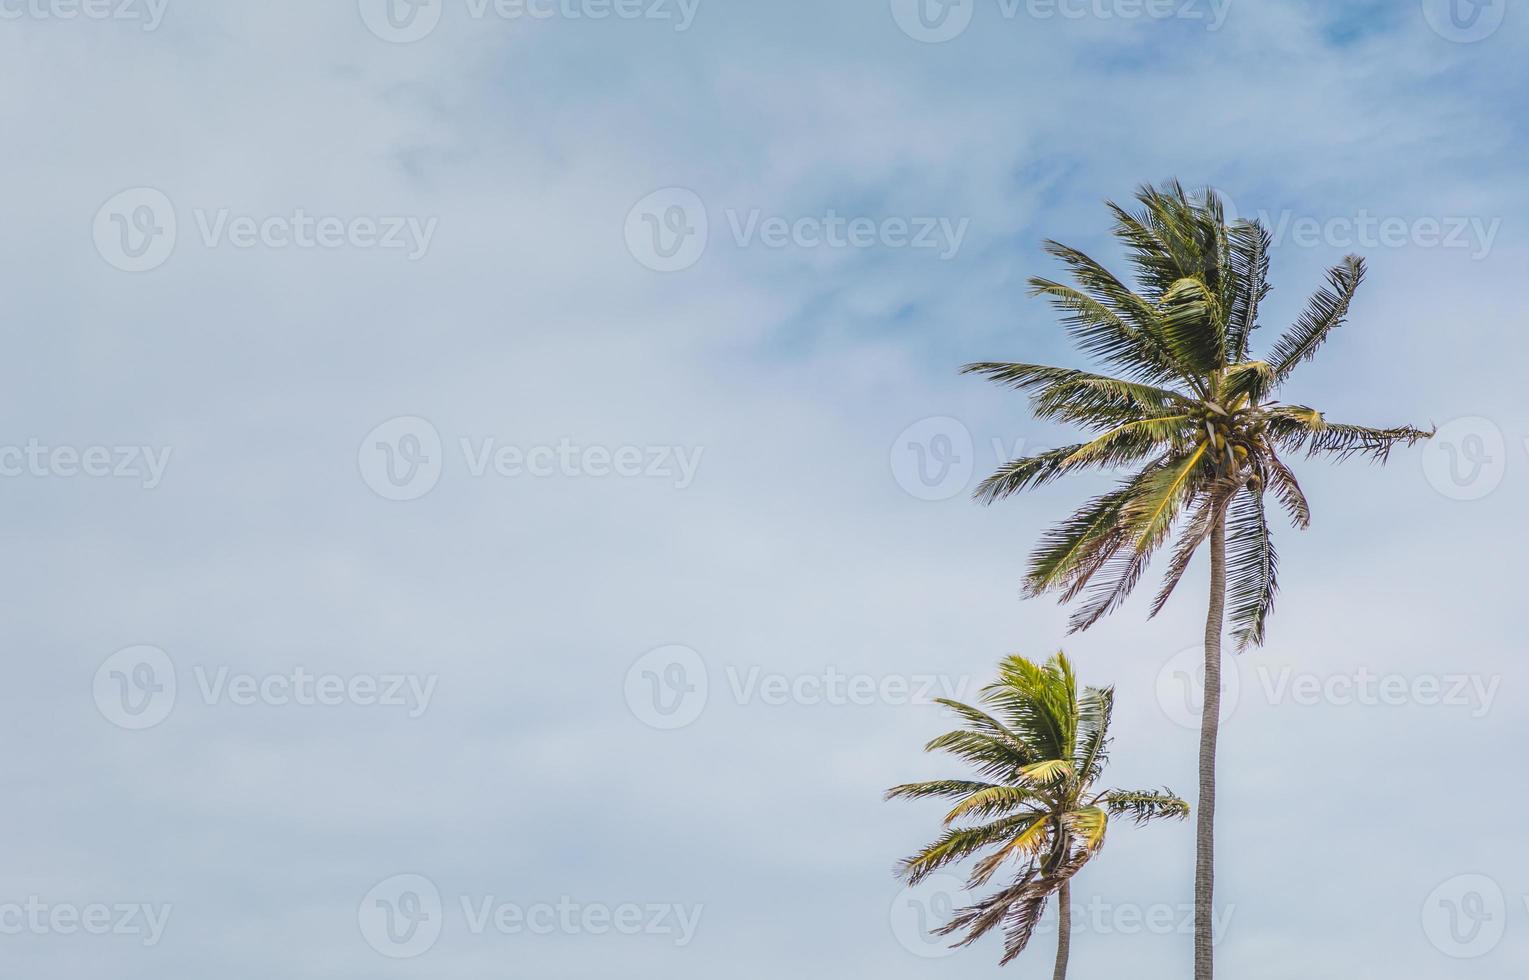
[1210,720]
[1064,932]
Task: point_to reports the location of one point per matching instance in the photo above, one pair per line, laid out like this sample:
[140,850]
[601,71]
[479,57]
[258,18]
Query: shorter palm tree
[1040,748]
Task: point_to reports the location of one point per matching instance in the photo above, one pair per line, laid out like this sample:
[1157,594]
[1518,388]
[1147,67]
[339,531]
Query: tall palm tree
[1040,750]
[1188,408]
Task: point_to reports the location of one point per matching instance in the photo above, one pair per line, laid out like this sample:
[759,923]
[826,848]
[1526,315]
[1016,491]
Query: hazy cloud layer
[344,390]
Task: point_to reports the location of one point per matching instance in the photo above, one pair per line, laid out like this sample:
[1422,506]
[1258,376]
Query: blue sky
[366,342]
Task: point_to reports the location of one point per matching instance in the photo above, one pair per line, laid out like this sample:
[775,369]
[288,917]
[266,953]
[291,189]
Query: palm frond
[1342,441]
[1069,545]
[1285,486]
[1145,805]
[1325,312]
[1250,245]
[990,802]
[1192,317]
[938,789]
[957,844]
[1211,509]
[1095,708]
[1249,380]
[1252,569]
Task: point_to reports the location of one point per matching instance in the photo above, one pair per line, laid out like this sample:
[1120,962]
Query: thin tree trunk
[1064,932]
[1210,720]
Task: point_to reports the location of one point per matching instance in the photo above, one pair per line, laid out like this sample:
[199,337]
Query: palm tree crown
[1187,402]
[1039,750]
